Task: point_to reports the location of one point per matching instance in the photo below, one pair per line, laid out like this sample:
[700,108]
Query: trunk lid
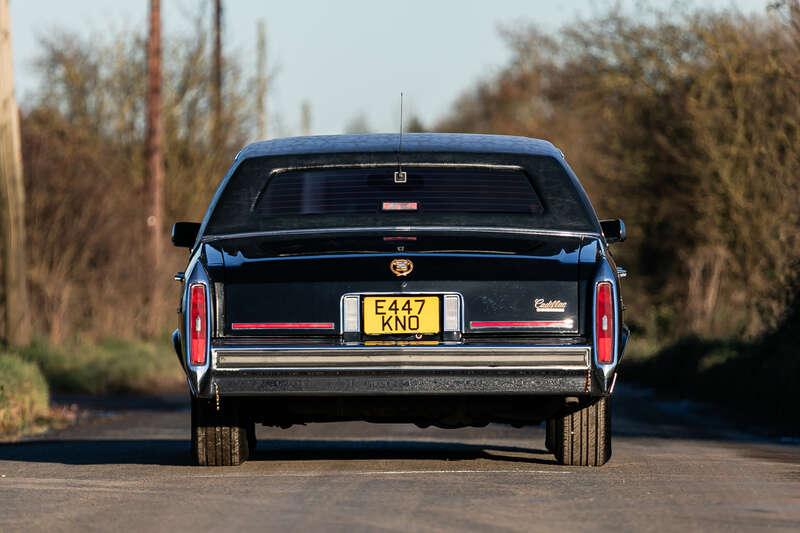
[511,285]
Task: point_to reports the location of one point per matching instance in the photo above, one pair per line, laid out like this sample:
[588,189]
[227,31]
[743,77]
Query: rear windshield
[262,197]
[364,191]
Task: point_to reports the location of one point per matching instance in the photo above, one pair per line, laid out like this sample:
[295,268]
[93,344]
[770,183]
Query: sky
[345,58]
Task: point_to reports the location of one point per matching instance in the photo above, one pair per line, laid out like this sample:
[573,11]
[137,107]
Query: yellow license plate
[392,315]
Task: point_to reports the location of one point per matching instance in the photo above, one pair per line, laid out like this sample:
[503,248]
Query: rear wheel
[582,437]
[219,437]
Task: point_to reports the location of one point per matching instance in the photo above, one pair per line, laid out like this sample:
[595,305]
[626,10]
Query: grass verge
[108,367]
[24,396]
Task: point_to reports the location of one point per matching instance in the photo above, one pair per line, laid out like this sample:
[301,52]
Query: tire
[582,437]
[219,438]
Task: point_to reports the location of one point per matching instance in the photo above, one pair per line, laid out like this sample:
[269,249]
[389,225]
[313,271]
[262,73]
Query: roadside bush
[24,397]
[756,378]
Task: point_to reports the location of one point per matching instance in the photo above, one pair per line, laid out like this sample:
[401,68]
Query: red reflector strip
[568,323]
[283,325]
[399,206]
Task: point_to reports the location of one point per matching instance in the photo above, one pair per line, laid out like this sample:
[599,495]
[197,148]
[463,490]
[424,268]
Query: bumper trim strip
[567,323]
[401,357]
[282,325]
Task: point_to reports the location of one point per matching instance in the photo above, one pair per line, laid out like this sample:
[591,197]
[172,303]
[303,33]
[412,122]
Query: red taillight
[604,322]
[198,321]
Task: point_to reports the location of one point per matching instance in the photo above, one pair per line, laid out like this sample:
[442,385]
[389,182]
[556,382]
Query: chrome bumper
[400,357]
[395,370]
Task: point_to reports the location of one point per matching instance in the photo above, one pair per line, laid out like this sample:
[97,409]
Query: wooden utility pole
[154,151]
[217,75]
[305,118]
[261,78]
[17,330]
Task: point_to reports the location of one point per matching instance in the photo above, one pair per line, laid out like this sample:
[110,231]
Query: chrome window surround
[281,170]
[400,229]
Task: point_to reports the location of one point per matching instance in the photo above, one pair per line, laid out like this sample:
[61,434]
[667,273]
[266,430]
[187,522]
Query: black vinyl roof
[389,142]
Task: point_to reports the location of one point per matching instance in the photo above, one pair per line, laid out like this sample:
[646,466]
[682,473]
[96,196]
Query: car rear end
[454,289]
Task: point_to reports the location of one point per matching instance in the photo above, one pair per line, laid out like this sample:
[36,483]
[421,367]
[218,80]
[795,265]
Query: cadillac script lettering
[549,306]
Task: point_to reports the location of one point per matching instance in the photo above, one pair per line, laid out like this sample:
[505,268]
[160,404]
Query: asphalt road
[674,468]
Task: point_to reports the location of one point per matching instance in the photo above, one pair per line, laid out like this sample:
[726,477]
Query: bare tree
[83,137]
[12,198]
[261,78]
[154,147]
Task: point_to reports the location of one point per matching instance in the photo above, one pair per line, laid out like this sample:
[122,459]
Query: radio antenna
[400,176]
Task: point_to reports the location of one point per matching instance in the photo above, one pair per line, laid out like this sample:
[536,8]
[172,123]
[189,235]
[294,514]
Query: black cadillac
[439,279]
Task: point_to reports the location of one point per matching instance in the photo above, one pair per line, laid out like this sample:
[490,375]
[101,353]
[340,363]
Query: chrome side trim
[400,229]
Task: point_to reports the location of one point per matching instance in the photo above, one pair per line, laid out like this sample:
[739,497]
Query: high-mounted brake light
[198,324]
[399,206]
[604,322]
